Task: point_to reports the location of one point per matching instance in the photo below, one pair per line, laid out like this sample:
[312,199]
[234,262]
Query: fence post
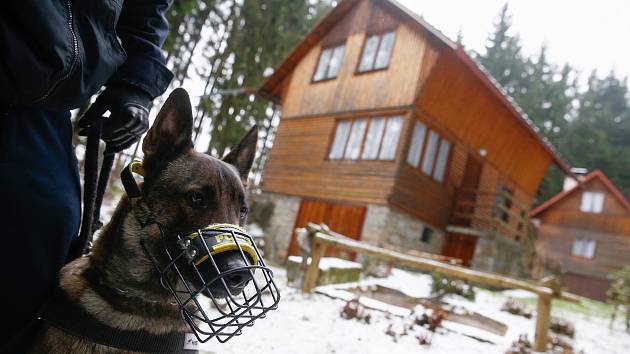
[542,322]
[310,279]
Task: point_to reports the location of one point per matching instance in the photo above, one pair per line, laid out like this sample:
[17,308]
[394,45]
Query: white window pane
[589,249]
[442,158]
[587,201]
[384,50]
[598,202]
[356,138]
[578,247]
[417,140]
[429,154]
[341,135]
[575,248]
[373,139]
[369,52]
[390,140]
[322,67]
[335,62]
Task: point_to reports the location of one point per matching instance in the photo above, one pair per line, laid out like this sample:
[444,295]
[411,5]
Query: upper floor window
[592,202]
[377,51]
[373,138]
[583,247]
[436,152]
[329,63]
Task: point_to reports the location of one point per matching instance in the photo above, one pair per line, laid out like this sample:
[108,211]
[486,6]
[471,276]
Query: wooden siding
[615,218]
[555,243]
[298,164]
[352,91]
[563,222]
[455,99]
[432,201]
[429,82]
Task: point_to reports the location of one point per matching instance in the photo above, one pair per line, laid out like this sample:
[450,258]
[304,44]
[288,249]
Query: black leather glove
[128,119]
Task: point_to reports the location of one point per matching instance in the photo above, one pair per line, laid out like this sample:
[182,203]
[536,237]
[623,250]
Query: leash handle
[94,186]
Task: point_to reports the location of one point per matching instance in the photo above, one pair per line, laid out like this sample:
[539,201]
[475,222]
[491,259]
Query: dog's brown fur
[173,170]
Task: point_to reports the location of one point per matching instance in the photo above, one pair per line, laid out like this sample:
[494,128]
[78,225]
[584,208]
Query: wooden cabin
[584,235]
[392,134]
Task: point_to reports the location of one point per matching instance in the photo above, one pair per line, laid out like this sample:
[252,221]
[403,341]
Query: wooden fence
[321,238]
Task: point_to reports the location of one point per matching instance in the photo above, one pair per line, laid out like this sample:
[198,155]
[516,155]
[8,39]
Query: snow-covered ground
[308,324]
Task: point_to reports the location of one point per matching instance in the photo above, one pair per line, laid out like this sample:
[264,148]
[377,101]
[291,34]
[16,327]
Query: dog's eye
[196,199]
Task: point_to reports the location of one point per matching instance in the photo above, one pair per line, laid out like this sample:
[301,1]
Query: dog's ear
[171,133]
[242,157]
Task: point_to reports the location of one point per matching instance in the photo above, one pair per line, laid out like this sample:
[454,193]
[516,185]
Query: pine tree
[503,57]
[599,137]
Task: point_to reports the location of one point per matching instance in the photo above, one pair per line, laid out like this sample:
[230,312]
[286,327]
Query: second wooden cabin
[392,134]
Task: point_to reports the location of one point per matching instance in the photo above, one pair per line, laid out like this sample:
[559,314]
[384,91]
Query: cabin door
[460,246]
[345,219]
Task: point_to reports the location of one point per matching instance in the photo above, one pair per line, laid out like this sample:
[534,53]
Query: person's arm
[142,28]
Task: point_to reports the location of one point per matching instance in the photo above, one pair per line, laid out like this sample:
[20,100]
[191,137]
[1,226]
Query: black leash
[94,186]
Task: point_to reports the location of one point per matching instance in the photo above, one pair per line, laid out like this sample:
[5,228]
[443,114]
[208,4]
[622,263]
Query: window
[329,63]
[369,138]
[390,140]
[429,153]
[377,51]
[373,139]
[353,148]
[583,248]
[427,234]
[417,140]
[592,202]
[341,136]
[436,152]
[442,158]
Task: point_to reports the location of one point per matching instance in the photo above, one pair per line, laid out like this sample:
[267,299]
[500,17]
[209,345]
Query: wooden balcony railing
[491,212]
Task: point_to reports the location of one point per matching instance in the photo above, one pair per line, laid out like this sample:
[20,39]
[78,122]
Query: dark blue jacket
[55,54]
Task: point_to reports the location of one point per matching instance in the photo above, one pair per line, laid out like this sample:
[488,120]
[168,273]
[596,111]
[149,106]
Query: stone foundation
[395,230]
[382,226]
[280,227]
[498,255]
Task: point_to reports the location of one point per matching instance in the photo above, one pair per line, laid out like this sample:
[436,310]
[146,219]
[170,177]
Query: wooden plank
[310,278]
[543,317]
[313,228]
[429,264]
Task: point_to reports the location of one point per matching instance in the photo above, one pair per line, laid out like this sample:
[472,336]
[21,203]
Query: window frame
[586,243]
[428,129]
[332,47]
[380,34]
[369,118]
[594,199]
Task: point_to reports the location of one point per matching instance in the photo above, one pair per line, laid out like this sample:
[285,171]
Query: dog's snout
[238,279]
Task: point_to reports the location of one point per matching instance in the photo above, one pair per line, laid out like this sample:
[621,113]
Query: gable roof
[597,174]
[269,88]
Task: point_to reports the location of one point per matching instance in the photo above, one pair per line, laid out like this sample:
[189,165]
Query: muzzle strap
[221,238]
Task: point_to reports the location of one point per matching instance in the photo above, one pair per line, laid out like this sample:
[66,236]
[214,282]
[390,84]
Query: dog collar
[67,316]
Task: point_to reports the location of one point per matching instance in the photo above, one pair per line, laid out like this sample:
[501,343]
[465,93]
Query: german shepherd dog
[186,190]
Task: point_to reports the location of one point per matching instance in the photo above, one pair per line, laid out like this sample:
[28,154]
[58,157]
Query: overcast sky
[588,34]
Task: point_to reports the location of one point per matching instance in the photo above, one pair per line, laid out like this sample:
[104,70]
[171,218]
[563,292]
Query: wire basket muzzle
[222,264]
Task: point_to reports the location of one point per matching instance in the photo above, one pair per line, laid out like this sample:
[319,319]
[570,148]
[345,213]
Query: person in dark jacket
[54,55]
